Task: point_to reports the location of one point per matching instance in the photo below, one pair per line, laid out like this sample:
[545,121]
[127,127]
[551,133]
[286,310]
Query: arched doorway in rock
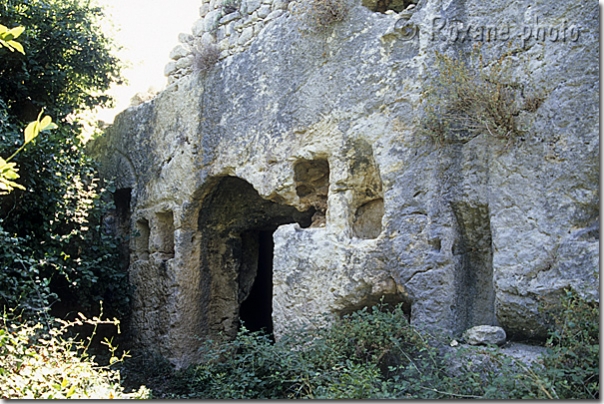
[236,226]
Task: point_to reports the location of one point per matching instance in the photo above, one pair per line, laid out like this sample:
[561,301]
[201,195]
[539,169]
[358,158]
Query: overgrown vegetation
[50,364]
[473,98]
[374,353]
[53,245]
[69,62]
[572,368]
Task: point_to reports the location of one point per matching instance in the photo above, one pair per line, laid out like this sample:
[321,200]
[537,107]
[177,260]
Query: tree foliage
[69,61]
[52,241]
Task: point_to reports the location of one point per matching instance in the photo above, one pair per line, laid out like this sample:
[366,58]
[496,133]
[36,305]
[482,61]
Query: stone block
[484,335]
[273,15]
[230,17]
[198,27]
[185,62]
[280,5]
[264,11]
[246,35]
[249,6]
[211,20]
[179,52]
[204,9]
[185,38]
[170,68]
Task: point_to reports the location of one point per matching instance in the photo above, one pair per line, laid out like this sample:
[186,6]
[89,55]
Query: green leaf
[15,32]
[47,124]
[31,131]
[71,391]
[17,46]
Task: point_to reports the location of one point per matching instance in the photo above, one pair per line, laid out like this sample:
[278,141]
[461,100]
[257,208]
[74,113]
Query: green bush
[572,367]
[338,362]
[374,353]
[35,363]
[55,244]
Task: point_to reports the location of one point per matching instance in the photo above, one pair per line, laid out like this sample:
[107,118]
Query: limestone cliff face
[307,143]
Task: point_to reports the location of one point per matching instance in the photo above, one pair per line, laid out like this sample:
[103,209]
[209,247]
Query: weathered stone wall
[229,25]
[314,135]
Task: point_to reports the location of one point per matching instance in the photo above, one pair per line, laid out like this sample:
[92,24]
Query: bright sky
[148,30]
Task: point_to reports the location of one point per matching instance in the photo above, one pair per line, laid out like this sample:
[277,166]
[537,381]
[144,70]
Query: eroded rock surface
[314,137]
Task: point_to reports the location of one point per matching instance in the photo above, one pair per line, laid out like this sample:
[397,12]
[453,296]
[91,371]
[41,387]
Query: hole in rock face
[367,203]
[121,199]
[473,253]
[237,227]
[382,6]
[256,310]
[163,233]
[312,186]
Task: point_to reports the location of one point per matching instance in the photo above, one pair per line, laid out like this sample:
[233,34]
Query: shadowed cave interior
[237,227]
[255,311]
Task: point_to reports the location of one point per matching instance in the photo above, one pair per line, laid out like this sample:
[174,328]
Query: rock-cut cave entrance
[237,226]
[256,310]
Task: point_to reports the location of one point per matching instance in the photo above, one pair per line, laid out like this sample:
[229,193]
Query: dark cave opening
[122,199]
[256,310]
[236,256]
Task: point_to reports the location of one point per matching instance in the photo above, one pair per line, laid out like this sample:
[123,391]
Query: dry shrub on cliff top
[467,99]
[320,14]
[206,56]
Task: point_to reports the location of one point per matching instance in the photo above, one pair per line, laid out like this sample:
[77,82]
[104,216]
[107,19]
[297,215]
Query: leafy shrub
[49,365]
[308,364]
[572,367]
[55,242]
[374,353]
[468,99]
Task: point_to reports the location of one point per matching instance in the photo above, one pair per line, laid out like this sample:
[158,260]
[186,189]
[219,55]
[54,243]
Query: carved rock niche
[366,186]
[312,186]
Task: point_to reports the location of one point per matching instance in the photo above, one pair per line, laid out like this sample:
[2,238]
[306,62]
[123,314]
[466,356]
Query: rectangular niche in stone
[162,234]
[365,183]
[141,239]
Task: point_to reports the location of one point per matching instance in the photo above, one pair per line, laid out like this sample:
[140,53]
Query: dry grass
[321,14]
[468,99]
[206,56]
